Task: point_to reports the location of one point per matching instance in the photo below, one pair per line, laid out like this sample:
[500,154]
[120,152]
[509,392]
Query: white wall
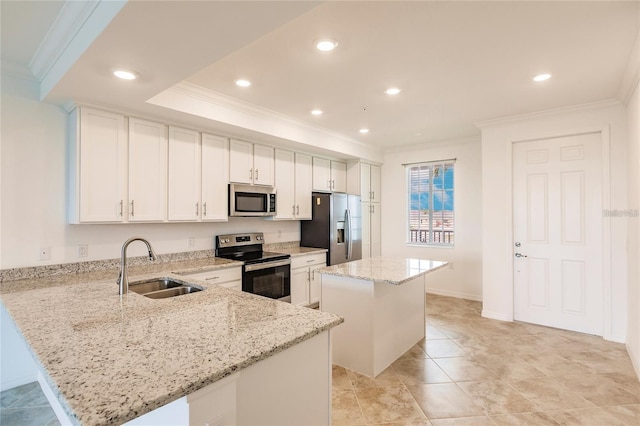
[464,280]
[497,138]
[633,303]
[33,179]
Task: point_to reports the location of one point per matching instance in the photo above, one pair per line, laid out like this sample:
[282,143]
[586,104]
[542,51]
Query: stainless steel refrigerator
[336,225]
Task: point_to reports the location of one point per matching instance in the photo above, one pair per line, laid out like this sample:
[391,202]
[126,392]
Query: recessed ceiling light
[124,74]
[243,83]
[316,111]
[542,77]
[392,91]
[326,45]
[364,131]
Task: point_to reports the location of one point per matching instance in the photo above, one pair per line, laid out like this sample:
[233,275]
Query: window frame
[445,164]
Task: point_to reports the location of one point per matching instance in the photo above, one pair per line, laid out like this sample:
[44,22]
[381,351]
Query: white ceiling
[456,63]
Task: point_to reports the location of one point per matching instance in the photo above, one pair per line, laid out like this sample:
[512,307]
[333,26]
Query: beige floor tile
[416,371]
[443,348]
[497,397]
[627,414]
[549,395]
[600,390]
[416,423]
[463,421]
[345,409]
[601,362]
[508,366]
[433,333]
[416,351]
[555,365]
[387,378]
[339,378]
[627,380]
[585,417]
[444,400]
[389,405]
[524,419]
[465,369]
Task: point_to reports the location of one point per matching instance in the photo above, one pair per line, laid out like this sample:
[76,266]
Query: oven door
[268,279]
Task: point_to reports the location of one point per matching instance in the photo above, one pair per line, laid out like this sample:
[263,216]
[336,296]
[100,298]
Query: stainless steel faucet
[123,279]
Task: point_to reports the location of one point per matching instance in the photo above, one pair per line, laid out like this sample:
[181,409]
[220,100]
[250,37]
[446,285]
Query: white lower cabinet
[228,277]
[305,286]
[371,246]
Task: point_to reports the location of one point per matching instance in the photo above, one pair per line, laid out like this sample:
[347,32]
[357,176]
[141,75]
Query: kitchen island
[382,301]
[216,356]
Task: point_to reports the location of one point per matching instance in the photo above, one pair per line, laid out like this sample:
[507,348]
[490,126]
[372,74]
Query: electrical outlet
[45,253]
[191,243]
[83,250]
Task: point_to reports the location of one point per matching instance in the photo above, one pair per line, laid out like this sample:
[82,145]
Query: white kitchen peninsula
[382,301]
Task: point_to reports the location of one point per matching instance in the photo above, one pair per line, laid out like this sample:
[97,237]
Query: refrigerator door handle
[349,236]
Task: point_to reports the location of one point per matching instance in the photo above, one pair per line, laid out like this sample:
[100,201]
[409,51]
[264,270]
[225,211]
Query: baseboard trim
[456,294]
[634,361]
[496,316]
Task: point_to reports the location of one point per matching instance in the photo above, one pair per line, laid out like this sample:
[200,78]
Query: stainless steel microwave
[249,200]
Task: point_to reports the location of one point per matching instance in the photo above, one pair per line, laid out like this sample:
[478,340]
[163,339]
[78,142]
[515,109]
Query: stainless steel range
[264,273]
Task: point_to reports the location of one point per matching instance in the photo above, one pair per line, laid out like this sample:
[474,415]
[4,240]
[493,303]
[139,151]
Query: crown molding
[16,70]
[607,103]
[631,76]
[218,99]
[65,27]
[470,140]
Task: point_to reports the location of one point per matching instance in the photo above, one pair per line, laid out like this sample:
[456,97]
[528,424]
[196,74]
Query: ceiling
[456,63]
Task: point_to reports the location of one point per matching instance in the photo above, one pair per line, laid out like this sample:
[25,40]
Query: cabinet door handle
[293,209]
[132,210]
[310,260]
[257,178]
[373,208]
[211,278]
[373,195]
[297,210]
[333,184]
[197,209]
[329,183]
[250,174]
[121,203]
[204,208]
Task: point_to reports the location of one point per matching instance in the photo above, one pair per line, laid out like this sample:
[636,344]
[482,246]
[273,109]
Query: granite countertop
[301,251]
[389,270]
[110,359]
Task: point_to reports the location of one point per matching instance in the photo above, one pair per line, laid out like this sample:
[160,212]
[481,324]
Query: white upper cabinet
[303,186]
[329,176]
[293,183]
[364,180]
[285,184]
[184,174]
[263,164]
[198,170]
[147,171]
[215,181]
[251,164]
[98,167]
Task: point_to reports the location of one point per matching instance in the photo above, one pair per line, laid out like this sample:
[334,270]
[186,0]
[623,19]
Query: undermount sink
[161,288]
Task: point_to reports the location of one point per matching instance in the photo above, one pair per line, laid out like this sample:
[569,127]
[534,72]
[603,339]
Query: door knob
[520,255]
[517,244]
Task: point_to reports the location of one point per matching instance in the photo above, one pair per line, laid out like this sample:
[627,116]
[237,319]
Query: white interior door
[557,212]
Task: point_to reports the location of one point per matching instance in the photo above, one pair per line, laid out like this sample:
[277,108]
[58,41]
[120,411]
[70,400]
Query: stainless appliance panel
[336,225]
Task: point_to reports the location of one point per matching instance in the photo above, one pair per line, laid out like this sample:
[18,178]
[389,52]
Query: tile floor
[468,371]
[26,405]
[474,371]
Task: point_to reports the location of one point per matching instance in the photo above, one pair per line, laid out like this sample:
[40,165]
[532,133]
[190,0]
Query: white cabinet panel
[285,184]
[376,246]
[228,277]
[100,167]
[215,182]
[338,176]
[305,283]
[263,165]
[375,183]
[147,171]
[184,174]
[300,286]
[241,162]
[303,186]
[251,164]
[321,174]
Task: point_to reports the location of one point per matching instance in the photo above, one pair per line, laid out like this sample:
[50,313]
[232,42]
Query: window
[430,192]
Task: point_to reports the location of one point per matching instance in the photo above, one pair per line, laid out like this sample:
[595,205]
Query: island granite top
[110,359]
[389,270]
